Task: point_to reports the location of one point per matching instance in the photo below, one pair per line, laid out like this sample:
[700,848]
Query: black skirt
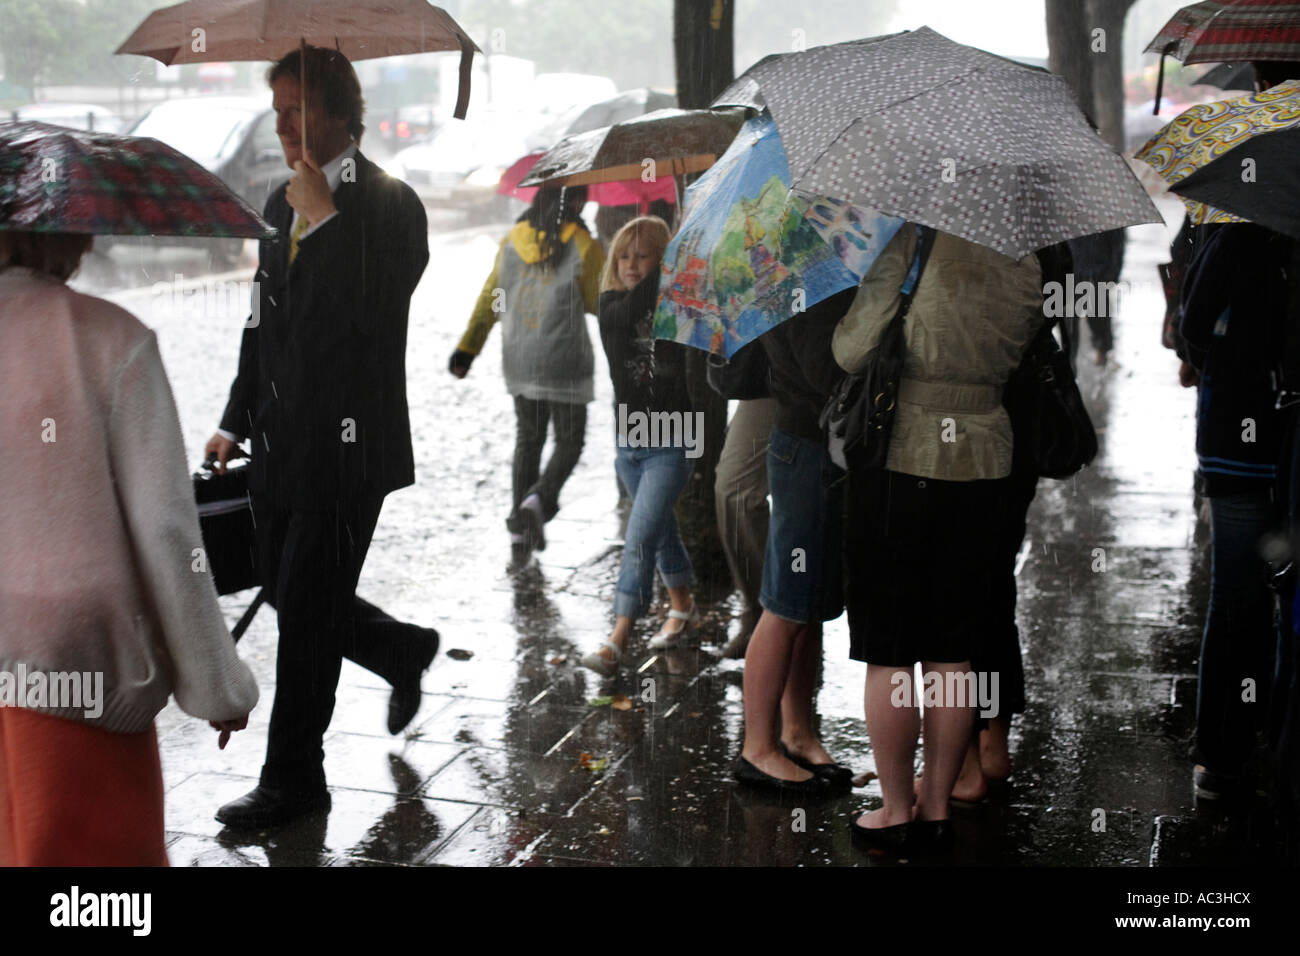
[919,563]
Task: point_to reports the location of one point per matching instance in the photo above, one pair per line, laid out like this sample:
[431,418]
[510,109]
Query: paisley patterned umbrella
[934,132]
[1207,131]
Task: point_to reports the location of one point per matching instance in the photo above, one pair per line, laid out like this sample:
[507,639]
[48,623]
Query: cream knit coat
[99,537]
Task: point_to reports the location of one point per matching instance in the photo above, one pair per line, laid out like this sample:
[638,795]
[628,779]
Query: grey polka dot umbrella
[916,126]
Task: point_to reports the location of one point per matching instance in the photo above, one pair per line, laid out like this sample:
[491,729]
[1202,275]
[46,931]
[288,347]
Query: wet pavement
[518,756]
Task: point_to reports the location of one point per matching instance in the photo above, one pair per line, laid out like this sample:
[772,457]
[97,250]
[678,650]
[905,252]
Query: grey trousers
[740,497]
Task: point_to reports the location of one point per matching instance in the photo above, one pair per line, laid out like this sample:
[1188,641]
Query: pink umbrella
[622,193]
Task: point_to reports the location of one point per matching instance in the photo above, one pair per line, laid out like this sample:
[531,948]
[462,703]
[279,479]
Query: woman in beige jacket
[107,607]
[920,533]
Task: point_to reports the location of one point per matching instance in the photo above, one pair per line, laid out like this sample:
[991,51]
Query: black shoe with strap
[838,776]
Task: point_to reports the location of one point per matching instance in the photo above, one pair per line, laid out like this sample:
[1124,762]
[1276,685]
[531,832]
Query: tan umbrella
[676,141]
[201,31]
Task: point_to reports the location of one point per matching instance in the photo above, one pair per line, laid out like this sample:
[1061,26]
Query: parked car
[393,129]
[460,166]
[84,116]
[231,136]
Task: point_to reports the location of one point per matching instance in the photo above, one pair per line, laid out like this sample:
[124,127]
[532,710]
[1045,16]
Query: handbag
[859,418]
[1054,435]
[226,522]
[744,376]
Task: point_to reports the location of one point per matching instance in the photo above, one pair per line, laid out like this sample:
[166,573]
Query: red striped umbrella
[1231,30]
[54,179]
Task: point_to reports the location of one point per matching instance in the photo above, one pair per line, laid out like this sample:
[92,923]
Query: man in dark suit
[321,396]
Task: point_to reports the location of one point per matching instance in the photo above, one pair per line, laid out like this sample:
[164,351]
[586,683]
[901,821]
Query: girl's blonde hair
[652,229]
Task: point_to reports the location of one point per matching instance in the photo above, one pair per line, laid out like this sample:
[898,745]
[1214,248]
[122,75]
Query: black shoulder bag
[1054,435]
[859,418]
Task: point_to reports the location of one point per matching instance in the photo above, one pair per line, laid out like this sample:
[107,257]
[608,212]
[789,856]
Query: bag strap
[924,243]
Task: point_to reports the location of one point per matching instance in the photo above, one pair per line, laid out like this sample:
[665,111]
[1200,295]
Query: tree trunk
[703,45]
[1108,69]
[1091,62]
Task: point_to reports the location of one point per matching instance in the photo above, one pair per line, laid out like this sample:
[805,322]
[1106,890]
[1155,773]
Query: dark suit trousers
[311,561]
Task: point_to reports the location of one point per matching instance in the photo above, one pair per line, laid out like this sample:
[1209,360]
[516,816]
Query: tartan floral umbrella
[54,179]
[1234,31]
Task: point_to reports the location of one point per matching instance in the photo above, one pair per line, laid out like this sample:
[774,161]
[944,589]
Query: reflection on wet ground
[509,760]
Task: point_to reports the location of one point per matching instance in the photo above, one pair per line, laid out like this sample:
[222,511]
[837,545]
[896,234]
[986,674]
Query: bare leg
[622,631]
[947,731]
[893,730]
[767,670]
[798,723]
[680,599]
[995,755]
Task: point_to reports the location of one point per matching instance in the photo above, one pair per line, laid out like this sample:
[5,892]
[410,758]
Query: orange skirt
[73,794]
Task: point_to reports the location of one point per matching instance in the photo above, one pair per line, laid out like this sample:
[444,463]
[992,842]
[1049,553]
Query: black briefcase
[226,521]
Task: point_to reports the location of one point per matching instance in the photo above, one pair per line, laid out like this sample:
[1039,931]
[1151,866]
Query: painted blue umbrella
[750,254]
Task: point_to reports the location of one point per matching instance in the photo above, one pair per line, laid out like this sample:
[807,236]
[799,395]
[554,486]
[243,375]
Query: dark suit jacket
[321,388]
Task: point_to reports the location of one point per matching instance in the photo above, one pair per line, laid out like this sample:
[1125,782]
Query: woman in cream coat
[107,607]
[920,533]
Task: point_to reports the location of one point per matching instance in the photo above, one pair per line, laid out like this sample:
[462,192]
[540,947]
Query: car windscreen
[204,133]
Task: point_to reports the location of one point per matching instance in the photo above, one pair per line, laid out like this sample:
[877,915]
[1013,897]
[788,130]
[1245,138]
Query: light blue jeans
[654,477]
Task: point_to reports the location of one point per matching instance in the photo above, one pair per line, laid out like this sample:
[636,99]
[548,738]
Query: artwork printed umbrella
[664,143]
[1232,31]
[54,179]
[1202,134]
[948,136]
[750,254]
[200,31]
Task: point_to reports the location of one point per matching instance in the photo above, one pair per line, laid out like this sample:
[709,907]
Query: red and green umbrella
[54,179]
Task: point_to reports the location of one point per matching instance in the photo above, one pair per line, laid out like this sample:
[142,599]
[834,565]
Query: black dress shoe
[932,836]
[837,775]
[896,839]
[266,807]
[404,703]
[746,773]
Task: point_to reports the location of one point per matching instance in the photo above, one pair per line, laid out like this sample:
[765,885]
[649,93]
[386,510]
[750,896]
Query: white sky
[1004,27]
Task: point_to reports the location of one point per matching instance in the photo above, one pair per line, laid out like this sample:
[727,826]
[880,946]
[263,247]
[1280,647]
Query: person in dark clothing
[1098,260]
[659,436]
[1234,304]
[321,395]
[802,576]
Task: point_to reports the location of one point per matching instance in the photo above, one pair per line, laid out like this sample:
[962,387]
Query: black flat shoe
[932,836]
[751,776]
[896,839]
[404,703]
[266,807]
[837,775]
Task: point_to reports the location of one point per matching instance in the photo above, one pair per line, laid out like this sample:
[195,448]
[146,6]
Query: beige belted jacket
[972,317]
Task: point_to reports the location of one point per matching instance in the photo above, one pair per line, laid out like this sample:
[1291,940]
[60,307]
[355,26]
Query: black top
[1234,315]
[649,375]
[321,387]
[803,369]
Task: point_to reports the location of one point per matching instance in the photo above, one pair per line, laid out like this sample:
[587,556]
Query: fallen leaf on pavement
[601,701]
[559,658]
[621,703]
[595,764]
